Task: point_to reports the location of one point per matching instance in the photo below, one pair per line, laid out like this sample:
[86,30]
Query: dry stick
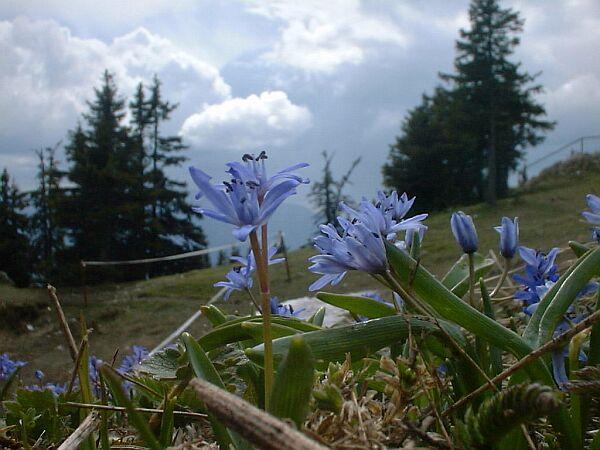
[62,321]
[192,415]
[258,427]
[412,428]
[83,431]
[76,366]
[548,346]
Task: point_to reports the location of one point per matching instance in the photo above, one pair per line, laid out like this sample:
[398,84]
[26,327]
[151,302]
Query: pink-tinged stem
[263,280]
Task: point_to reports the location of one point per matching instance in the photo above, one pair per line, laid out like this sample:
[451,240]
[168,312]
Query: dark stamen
[262,155]
[247,157]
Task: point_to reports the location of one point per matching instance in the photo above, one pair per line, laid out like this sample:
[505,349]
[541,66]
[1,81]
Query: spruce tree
[174,228]
[498,95]
[14,242]
[101,203]
[47,232]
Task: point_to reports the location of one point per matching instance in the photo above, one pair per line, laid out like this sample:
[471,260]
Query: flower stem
[253,298]
[263,279]
[472,281]
[502,279]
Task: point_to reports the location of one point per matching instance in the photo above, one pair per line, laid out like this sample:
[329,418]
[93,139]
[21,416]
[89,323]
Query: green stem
[256,305]
[263,279]
[502,279]
[472,281]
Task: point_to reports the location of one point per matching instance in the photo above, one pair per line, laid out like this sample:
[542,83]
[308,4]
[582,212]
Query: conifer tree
[47,232]
[102,201]
[14,243]
[498,95]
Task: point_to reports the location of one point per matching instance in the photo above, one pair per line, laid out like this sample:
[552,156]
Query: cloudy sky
[295,77]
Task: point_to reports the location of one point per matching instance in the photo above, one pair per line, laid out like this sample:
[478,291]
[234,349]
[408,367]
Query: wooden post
[283,249]
[83,283]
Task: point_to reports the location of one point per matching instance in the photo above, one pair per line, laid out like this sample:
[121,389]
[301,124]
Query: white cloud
[321,36]
[47,73]
[247,124]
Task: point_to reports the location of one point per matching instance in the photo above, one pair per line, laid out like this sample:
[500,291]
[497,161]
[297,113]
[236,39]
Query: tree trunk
[491,196]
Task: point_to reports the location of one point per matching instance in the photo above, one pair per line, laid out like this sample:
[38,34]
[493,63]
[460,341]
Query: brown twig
[192,415]
[62,321]
[82,345]
[548,346]
[258,427]
[83,431]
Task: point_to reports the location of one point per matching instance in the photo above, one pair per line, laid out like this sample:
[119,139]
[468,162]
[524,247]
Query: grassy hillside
[145,312]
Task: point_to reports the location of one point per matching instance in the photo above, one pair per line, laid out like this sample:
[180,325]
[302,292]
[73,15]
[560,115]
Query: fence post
[283,249]
[83,283]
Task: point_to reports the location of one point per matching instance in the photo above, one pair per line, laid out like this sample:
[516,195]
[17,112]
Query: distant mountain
[296,221]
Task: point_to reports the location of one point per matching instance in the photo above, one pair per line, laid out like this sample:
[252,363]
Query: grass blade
[114,384]
[293,385]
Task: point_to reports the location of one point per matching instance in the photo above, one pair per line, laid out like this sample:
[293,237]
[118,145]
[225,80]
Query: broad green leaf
[255,330]
[318,317]
[135,418]
[361,306]
[162,365]
[294,382]
[457,278]
[204,369]
[359,339]
[226,334]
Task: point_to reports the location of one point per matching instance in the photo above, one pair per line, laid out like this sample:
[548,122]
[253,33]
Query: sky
[292,77]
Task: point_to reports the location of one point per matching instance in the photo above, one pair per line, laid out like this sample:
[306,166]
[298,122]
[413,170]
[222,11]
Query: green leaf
[163,364]
[214,315]
[457,278]
[578,248]
[204,369]
[566,295]
[225,334]
[294,382]
[488,310]
[318,317]
[167,423]
[255,330]
[358,339]
[361,306]
[452,308]
[114,383]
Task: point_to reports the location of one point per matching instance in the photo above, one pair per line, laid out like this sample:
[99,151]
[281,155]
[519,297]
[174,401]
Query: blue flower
[593,202]
[540,268]
[386,217]
[39,375]
[240,277]
[361,244]
[138,354]
[56,388]
[252,170]
[243,202]
[283,310]
[357,249]
[593,216]
[464,231]
[8,367]
[509,237]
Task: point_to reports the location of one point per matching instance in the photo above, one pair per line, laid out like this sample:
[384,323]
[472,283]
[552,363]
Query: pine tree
[14,243]
[48,234]
[432,159]
[497,94]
